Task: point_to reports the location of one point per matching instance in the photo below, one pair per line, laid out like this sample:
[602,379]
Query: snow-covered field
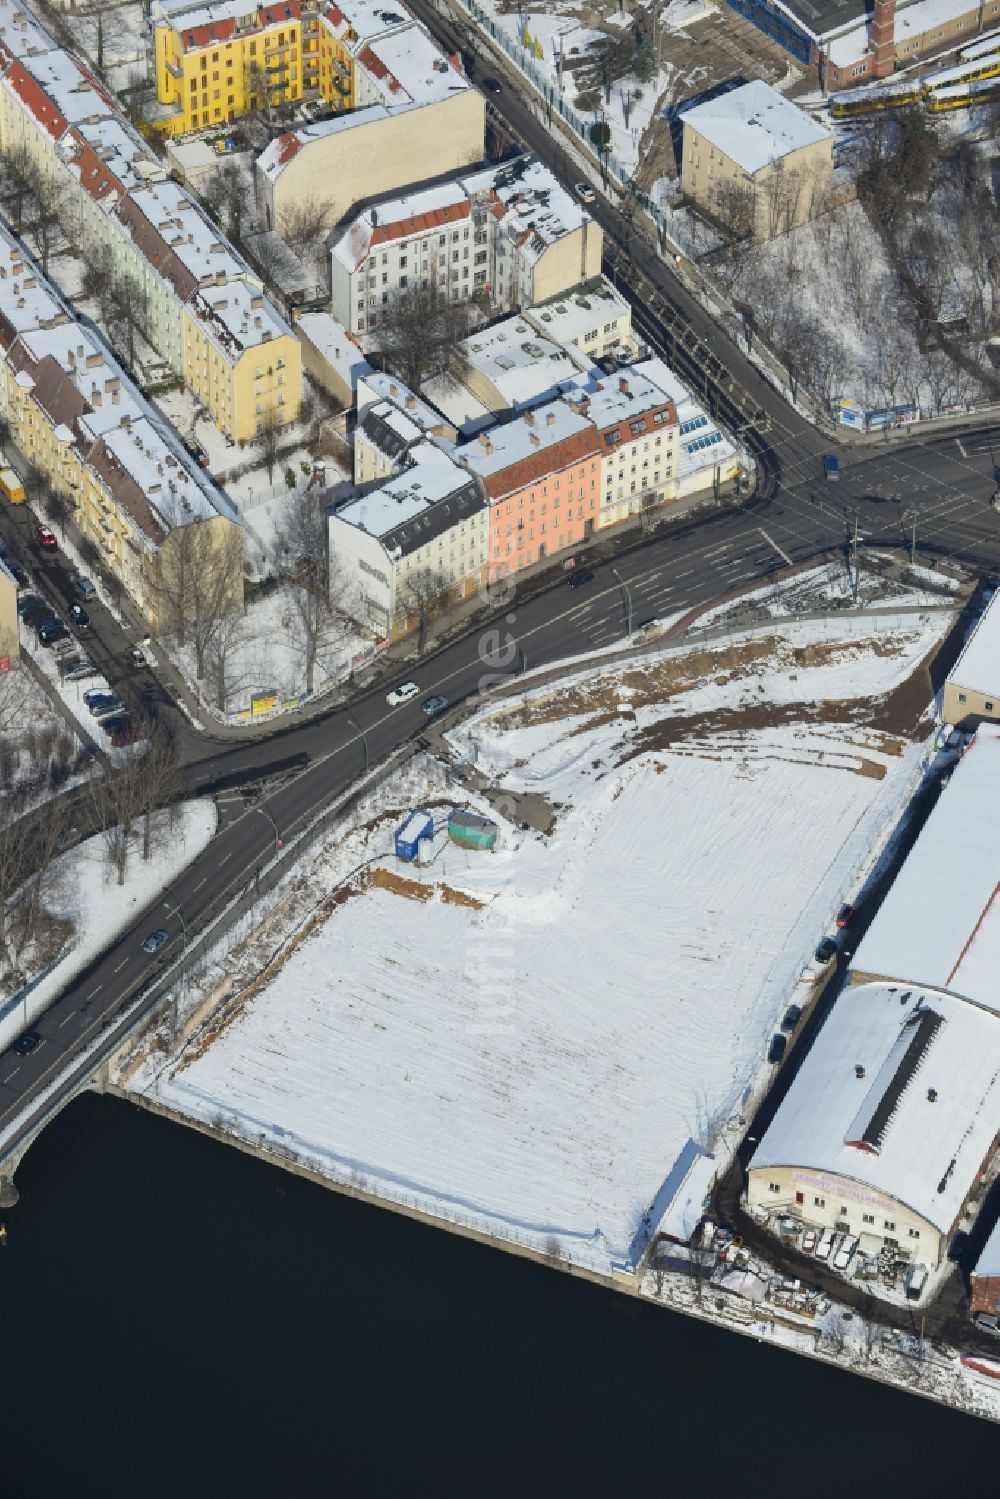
[525,1041]
[99,908]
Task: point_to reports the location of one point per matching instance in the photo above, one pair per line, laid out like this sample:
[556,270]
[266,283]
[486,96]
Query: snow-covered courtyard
[525,1041]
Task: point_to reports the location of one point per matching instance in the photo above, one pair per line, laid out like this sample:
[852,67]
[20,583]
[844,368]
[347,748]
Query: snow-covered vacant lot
[524,1041]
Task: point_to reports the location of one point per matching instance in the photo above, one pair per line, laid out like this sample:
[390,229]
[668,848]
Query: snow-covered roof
[530,436]
[681,1199]
[978,663]
[613,398]
[522,364]
[414,507]
[26,301]
[118,151]
[754,125]
[362,20]
[411,215]
[702,444]
[538,210]
[407,64]
[917,1123]
[568,318]
[333,342]
[988,1262]
[20,33]
[455,401]
[70,88]
[940,922]
[376,385]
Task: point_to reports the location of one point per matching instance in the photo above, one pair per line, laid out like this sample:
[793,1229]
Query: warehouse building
[940,922]
[885,1132]
[972,687]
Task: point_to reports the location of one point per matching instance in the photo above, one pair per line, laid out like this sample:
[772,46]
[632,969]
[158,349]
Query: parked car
[826,950]
[80,668]
[106,708]
[64,649]
[79,616]
[82,586]
[492,85]
[831,466]
[987,1323]
[825,1244]
[26,1044]
[155,940]
[137,657]
[17,572]
[845,916]
[845,1253]
[45,539]
[791,1018]
[809,1241]
[401,694]
[97,695]
[52,631]
[776,1050]
[585,192]
[66,665]
[577,580]
[27,603]
[432,705]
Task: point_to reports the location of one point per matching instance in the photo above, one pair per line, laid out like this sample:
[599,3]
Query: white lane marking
[121,965]
[771,542]
[66,1021]
[201,882]
[958,444]
[685,574]
[92,993]
[225,857]
[12,1074]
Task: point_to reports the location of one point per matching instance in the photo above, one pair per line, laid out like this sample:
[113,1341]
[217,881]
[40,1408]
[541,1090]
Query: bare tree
[304,224]
[232,635]
[315,586]
[418,330]
[424,591]
[199,582]
[734,206]
[226,195]
[21,175]
[268,433]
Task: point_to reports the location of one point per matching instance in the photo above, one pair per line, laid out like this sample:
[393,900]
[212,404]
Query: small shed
[418,825]
[471,830]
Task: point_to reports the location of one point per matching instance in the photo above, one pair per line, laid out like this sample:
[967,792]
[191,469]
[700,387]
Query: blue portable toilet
[418,825]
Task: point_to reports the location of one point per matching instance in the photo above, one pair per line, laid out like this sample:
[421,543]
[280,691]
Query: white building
[510,234]
[940,922]
[594,318]
[972,687]
[706,458]
[510,367]
[888,1123]
[391,421]
[637,430]
[414,542]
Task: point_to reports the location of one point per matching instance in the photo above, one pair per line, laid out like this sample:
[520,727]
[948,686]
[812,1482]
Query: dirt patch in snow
[399,884]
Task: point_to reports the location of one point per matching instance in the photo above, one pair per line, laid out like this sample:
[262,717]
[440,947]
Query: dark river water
[181,1320]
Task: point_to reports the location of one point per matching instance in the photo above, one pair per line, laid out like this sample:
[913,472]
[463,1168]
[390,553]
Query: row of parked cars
[828,1245]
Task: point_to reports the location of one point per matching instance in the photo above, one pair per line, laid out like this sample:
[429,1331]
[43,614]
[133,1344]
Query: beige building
[391,422]
[9,644]
[972,687]
[888,1123]
[372,151]
[755,161]
[594,318]
[330,355]
[638,438]
[410,545]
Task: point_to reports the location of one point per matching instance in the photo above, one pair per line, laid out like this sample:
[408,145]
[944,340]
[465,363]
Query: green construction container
[471,830]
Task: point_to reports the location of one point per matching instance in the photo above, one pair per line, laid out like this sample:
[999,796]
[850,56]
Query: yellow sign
[264,703]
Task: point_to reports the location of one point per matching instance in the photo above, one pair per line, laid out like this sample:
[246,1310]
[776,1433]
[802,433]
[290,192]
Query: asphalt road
[944,482]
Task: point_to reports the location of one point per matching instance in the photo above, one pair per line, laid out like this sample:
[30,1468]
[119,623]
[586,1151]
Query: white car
[845,1253]
[585,192]
[402,694]
[809,1239]
[825,1244]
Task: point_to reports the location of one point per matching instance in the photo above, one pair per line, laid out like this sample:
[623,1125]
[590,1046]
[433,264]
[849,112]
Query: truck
[11,486]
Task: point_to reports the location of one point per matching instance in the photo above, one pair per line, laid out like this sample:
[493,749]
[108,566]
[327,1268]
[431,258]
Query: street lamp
[175,910]
[627,598]
[265,811]
[364,737]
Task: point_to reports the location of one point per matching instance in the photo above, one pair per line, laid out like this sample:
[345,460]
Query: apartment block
[508,236]
[542,478]
[594,318]
[637,432]
[198,304]
[412,544]
[391,422]
[76,416]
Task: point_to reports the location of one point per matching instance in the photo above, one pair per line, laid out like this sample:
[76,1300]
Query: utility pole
[853,556]
[627,598]
[265,811]
[364,738]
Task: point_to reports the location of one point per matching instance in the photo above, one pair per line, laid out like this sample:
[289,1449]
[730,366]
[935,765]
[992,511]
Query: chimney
[535,439]
[411,403]
[394,392]
[932,1095]
[859,1071]
[484,439]
[529,417]
[550,418]
[882,38]
[623,385]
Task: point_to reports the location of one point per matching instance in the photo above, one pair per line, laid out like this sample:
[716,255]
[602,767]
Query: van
[825,1244]
[10,486]
[831,466]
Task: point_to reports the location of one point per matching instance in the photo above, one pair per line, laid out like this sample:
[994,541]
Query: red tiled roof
[37,101]
[419,223]
[125,490]
[377,67]
[95,178]
[550,460]
[205,36]
[286,10]
[288,145]
[157,252]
